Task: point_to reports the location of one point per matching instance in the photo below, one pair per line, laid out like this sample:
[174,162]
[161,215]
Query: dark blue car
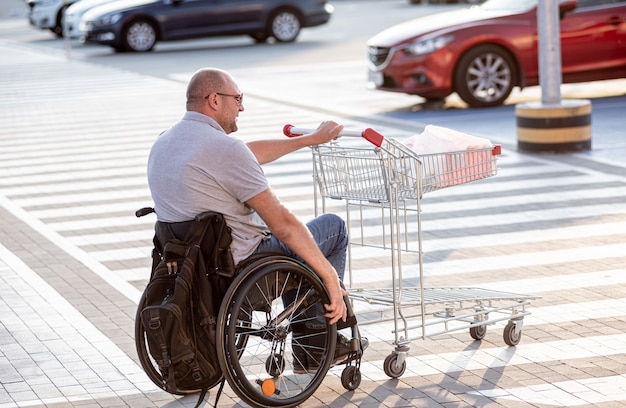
[137,25]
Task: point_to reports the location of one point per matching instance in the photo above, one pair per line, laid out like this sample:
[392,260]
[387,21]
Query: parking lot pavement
[74,138]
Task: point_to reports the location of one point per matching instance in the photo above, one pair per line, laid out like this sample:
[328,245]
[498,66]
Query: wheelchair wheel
[273,348]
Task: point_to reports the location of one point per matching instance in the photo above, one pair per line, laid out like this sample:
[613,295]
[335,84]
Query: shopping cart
[382,184]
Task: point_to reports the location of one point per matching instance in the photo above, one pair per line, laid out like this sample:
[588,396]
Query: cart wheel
[275,365]
[478,332]
[351,378]
[511,335]
[390,366]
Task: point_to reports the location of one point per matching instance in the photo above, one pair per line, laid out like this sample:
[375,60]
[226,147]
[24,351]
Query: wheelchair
[272,350]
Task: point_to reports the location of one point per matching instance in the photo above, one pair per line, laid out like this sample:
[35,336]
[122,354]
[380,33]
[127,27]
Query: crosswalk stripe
[557,283]
[484,264]
[493,357]
[99,223]
[74,186]
[77,198]
[597,309]
[586,391]
[540,315]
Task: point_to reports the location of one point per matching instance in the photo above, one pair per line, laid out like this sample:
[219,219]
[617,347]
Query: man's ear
[213,101]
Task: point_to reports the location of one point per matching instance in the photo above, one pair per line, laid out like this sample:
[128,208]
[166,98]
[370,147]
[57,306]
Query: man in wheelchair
[194,166]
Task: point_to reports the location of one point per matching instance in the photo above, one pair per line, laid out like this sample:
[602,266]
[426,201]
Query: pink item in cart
[466,158]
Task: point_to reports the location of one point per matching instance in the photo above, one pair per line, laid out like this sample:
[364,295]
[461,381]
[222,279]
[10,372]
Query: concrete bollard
[564,127]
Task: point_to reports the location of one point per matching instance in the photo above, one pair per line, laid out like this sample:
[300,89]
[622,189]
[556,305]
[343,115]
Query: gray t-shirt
[195,167]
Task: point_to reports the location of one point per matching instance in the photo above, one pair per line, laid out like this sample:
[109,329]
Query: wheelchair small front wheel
[274,347]
[351,378]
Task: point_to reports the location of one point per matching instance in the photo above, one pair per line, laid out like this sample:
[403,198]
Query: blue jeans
[331,235]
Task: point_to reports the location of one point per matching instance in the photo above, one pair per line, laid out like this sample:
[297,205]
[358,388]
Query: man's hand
[266,151]
[337,308]
[324,133]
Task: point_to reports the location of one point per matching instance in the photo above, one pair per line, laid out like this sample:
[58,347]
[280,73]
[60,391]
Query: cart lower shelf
[419,313]
[434,295]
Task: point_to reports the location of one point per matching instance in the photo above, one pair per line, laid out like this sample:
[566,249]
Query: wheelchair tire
[261,324]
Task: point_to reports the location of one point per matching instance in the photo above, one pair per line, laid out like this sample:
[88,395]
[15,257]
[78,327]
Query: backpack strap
[204,391]
[201,397]
[219,391]
[155,322]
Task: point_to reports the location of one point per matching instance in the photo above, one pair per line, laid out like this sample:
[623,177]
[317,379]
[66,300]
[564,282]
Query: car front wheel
[140,36]
[485,76]
[285,26]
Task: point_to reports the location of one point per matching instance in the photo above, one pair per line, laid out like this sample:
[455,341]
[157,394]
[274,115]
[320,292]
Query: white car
[73,14]
[48,14]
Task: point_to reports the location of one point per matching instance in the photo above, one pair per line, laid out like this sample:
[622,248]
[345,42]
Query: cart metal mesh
[357,173]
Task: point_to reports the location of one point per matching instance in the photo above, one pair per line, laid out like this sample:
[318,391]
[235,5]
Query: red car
[483,52]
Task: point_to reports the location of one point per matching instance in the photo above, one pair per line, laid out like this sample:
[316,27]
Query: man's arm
[293,233]
[267,151]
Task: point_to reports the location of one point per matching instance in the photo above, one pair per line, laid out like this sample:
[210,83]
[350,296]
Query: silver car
[48,14]
[73,14]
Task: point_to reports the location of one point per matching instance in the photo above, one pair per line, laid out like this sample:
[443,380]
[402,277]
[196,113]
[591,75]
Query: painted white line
[125,288]
[82,197]
[546,315]
[74,186]
[481,359]
[117,237]
[494,220]
[528,259]
[123,254]
[561,282]
[383,273]
[96,223]
[572,393]
[89,209]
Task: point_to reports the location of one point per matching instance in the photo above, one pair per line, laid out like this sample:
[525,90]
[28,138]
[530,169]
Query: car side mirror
[565,6]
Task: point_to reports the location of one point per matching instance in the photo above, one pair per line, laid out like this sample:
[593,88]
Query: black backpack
[181,302]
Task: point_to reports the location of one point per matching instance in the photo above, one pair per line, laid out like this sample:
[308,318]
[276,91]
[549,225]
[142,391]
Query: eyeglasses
[238,98]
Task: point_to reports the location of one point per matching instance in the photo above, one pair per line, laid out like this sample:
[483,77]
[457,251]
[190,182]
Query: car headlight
[108,19]
[427,46]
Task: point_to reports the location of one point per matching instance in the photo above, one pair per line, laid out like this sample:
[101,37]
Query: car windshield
[513,5]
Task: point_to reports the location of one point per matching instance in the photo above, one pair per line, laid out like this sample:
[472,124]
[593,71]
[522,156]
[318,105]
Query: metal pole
[552,125]
[549,51]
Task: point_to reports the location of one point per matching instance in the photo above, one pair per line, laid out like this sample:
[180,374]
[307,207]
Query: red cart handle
[368,134]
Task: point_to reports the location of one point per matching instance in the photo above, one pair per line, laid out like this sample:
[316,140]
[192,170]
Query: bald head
[214,93]
[204,82]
